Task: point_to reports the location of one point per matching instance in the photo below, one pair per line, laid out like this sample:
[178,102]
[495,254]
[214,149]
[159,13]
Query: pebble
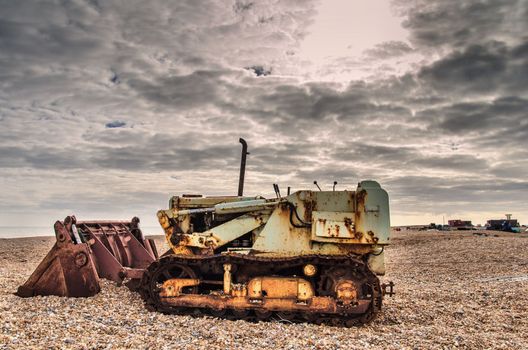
[449,294]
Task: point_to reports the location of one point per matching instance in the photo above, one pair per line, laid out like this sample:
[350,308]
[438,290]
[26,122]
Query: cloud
[389,49]
[110,103]
[479,116]
[183,91]
[452,23]
[488,68]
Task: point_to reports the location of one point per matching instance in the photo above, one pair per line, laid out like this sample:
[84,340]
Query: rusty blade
[86,251]
[67,270]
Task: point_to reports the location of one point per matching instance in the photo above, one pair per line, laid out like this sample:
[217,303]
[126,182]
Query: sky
[108,108]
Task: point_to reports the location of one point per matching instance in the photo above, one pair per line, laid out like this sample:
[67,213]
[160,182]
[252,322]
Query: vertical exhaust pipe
[242,167]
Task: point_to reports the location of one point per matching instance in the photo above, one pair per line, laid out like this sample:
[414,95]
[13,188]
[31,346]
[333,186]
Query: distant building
[508,224]
[460,224]
[502,224]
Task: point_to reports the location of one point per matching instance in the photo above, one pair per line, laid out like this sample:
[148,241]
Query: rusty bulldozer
[309,256]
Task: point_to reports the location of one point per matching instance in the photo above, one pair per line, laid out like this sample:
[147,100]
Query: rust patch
[308,208]
[316,304]
[173,287]
[361,197]
[280,288]
[346,292]
[349,225]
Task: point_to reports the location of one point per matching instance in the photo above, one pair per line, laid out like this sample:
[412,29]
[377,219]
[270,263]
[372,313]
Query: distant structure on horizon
[507,224]
[460,224]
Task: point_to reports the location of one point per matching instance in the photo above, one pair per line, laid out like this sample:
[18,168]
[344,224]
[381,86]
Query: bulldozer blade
[67,270]
[120,250]
[88,250]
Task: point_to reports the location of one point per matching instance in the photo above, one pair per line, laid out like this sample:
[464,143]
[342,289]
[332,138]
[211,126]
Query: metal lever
[315,183]
[277,190]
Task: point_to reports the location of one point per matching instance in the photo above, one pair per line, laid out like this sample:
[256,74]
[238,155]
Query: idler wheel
[161,271]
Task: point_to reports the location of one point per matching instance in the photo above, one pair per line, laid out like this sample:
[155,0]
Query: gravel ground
[454,290]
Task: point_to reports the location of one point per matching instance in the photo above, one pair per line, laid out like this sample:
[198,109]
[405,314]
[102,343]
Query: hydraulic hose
[293,210]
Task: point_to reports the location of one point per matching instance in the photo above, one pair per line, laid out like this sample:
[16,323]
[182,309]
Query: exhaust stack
[242,167]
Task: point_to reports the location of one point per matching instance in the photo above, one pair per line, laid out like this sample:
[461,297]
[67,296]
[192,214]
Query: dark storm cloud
[18,40]
[318,102]
[40,157]
[156,156]
[479,116]
[154,153]
[478,66]
[378,153]
[491,67]
[183,91]
[462,23]
[408,158]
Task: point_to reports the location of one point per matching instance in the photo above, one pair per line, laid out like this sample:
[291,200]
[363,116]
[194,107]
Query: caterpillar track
[207,297]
